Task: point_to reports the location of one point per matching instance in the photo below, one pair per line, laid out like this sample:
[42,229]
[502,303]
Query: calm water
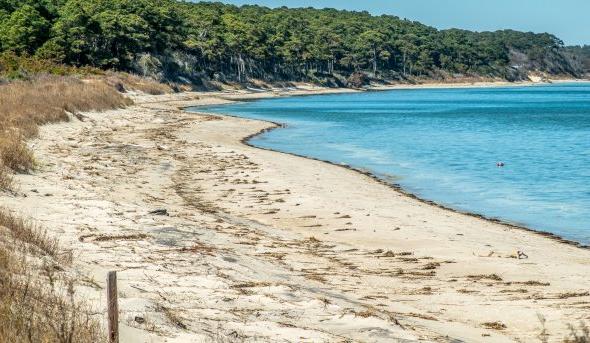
[443,145]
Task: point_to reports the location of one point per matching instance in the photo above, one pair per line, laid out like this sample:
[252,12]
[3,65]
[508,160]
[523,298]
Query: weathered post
[113,307]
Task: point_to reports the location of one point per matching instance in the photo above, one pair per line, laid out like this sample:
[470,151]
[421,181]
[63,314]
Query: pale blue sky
[567,19]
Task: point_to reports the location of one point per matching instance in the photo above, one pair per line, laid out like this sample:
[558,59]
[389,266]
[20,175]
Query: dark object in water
[500,164]
[160,212]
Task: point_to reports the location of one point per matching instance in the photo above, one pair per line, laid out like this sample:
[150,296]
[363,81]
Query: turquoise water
[443,145]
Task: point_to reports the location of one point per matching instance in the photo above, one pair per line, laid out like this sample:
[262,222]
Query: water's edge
[396,187]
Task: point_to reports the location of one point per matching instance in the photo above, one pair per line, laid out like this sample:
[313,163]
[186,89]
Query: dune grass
[14,153]
[579,335]
[37,300]
[129,82]
[26,104]
[29,234]
[6,181]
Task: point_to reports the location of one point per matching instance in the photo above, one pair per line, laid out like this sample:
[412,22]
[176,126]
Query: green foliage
[253,41]
[13,66]
[581,55]
[24,30]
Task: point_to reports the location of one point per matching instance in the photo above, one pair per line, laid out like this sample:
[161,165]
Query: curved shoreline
[276,247]
[396,187]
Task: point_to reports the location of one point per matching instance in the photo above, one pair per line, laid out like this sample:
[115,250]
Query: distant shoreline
[305,89]
[482,84]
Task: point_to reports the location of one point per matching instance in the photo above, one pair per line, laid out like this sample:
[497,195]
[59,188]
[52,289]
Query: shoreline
[396,187]
[400,189]
[266,246]
[307,90]
[313,166]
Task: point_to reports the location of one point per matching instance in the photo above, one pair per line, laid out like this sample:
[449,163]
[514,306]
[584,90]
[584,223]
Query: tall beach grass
[37,295]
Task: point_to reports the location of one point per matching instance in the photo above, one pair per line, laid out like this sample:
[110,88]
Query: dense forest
[191,42]
[580,55]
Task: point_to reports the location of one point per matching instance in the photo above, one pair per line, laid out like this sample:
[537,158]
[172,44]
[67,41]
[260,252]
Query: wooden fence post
[113,307]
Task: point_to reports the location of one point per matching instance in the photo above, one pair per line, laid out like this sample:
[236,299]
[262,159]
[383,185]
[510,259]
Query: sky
[567,19]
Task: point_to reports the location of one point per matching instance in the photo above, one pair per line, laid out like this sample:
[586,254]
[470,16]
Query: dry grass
[14,153]
[581,335]
[48,99]
[26,232]
[6,181]
[124,82]
[26,104]
[172,316]
[37,302]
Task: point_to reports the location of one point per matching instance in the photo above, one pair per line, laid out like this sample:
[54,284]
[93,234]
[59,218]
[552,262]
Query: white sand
[264,246]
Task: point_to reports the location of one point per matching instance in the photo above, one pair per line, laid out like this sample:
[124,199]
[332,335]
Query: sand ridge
[263,246]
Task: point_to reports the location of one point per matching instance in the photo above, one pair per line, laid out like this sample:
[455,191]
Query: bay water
[444,145]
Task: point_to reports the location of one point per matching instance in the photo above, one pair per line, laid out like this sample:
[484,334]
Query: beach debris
[494,325]
[160,212]
[431,266]
[108,238]
[527,283]
[120,87]
[493,277]
[229,259]
[490,254]
[466,291]
[573,295]
[518,254]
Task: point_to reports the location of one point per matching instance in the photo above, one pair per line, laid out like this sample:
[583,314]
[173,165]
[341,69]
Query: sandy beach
[254,245]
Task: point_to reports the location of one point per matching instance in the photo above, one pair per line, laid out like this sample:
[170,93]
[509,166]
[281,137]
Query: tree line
[178,39]
[580,55]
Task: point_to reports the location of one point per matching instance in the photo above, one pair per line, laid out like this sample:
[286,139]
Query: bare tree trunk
[374,62]
[404,62]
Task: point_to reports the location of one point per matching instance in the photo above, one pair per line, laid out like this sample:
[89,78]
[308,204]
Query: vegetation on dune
[191,42]
[37,302]
[26,104]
